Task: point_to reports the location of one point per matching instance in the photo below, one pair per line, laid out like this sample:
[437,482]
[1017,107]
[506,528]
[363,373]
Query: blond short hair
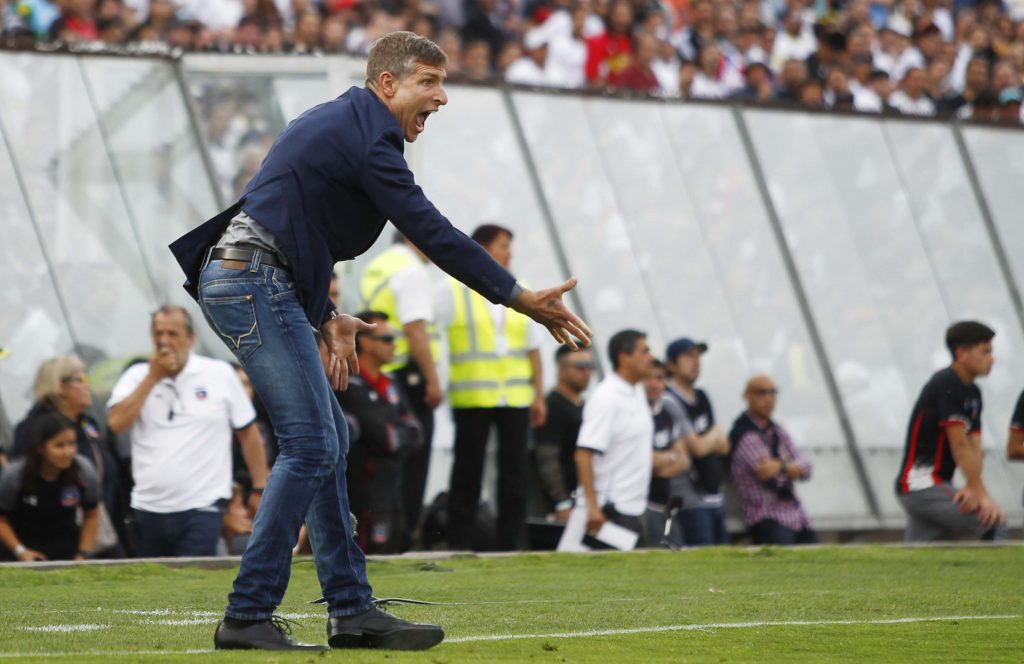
[52,373]
[398,52]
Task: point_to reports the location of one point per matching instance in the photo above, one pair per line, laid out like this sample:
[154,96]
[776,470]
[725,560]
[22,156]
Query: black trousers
[770,531]
[472,429]
[416,465]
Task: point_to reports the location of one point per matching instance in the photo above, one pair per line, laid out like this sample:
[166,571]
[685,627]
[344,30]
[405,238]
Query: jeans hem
[344,613]
[235,615]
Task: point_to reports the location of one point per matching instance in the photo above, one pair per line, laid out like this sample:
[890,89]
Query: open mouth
[421,120]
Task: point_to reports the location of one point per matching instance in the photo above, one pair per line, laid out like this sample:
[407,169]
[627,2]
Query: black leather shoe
[376,628]
[259,635]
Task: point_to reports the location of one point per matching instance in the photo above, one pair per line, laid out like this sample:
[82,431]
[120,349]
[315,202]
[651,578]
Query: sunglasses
[386,338]
[73,379]
[765,391]
[582,366]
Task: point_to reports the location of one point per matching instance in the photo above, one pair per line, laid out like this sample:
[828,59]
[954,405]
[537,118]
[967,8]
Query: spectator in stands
[306,38]
[760,86]
[181,409]
[567,48]
[42,492]
[669,456]
[484,22]
[609,52]
[1009,105]
[687,73]
[62,386]
[976,81]
[382,431]
[77,22]
[495,382]
[529,69]
[795,41]
[811,94]
[791,81]
[554,443]
[944,434]
[765,464]
[701,519]
[476,61]
[706,83]
[911,98]
[613,451]
[638,75]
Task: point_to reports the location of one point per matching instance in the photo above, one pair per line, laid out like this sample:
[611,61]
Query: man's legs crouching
[933,516]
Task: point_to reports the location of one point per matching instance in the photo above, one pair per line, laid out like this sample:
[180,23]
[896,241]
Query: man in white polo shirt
[182,410]
[614,455]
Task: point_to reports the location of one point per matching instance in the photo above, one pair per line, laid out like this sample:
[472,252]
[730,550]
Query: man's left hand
[253,503]
[339,335]
[538,413]
[547,308]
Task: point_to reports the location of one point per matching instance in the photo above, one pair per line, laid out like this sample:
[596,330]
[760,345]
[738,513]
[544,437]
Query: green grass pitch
[857,604]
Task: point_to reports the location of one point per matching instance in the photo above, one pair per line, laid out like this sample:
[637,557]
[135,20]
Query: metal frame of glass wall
[828,251]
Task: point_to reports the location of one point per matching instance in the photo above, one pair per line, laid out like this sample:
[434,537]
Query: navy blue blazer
[330,182]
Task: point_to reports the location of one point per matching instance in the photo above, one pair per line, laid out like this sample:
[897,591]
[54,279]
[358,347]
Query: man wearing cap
[701,518]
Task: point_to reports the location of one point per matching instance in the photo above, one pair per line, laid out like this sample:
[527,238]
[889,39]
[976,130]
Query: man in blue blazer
[261,271]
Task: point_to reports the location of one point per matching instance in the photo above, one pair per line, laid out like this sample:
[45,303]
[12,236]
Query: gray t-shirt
[243,229]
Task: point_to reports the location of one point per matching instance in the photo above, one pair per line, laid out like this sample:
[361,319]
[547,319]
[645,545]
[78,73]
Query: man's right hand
[595,519]
[339,334]
[164,364]
[974,499]
[434,395]
[29,555]
[547,308]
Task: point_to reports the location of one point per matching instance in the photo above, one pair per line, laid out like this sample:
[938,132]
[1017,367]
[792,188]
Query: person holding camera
[765,465]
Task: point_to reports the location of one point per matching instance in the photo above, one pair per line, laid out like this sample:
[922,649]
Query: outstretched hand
[340,358]
[547,308]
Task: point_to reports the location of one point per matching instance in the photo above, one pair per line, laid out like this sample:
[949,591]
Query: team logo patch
[201,393]
[379,533]
[91,429]
[70,496]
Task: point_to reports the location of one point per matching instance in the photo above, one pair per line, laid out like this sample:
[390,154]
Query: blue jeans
[703,526]
[256,312]
[172,534]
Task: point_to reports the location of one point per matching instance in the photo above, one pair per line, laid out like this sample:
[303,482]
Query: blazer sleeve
[389,184]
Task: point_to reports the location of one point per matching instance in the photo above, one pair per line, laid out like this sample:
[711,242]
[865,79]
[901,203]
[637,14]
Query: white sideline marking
[562,635]
[713,626]
[64,628]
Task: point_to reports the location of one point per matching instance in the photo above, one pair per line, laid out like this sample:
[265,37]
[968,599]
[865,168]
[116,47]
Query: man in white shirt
[614,456]
[182,410]
[529,68]
[911,98]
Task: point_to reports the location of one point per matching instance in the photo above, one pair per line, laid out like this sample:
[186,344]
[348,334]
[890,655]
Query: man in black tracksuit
[382,431]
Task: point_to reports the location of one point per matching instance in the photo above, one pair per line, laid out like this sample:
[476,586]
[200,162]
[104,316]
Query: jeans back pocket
[234,319]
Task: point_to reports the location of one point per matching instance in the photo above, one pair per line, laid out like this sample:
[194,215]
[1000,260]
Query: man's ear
[386,81]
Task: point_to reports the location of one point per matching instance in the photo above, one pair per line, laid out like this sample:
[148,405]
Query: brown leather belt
[245,255]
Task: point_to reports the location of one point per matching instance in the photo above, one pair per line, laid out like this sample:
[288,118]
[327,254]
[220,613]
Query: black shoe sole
[405,639]
[267,646]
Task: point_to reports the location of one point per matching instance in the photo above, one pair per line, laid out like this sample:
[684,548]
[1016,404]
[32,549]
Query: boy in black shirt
[945,434]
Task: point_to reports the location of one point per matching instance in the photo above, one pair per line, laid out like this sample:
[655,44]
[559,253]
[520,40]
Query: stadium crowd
[917,57]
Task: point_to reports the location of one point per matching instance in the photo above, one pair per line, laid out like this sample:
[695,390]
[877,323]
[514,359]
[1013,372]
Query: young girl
[41,494]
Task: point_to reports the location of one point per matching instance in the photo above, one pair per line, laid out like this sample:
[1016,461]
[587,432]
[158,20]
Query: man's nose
[442,97]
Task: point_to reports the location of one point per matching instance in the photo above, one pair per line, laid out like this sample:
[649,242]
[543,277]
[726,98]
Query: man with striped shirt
[945,434]
[765,464]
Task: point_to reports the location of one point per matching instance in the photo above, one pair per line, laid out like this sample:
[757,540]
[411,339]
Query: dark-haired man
[614,455]
[1015,441]
[383,431]
[261,271]
[554,443]
[945,434]
[494,383]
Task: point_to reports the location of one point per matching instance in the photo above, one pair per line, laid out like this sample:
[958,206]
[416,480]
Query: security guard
[495,380]
[397,284]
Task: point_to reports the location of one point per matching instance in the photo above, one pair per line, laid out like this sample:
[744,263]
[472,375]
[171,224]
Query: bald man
[765,465]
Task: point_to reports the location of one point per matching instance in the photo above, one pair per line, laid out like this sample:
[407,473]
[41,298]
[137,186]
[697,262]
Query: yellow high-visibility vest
[377,295]
[481,375]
